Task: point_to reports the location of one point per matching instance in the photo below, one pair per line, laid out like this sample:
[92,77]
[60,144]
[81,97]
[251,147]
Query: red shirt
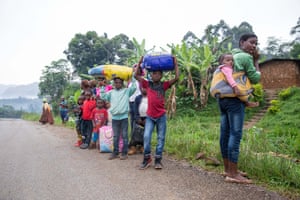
[156,97]
[87,108]
[100,116]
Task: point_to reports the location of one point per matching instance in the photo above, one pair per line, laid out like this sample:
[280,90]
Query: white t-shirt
[143,107]
[136,93]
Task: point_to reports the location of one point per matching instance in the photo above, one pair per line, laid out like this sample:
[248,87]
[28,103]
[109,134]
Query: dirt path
[40,162]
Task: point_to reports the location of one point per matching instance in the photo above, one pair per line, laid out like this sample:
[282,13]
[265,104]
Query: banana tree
[185,58]
[139,50]
[204,69]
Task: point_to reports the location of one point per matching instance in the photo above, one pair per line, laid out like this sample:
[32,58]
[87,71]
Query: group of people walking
[143,101]
[142,98]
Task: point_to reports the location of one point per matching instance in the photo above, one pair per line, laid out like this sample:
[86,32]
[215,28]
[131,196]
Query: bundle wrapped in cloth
[220,87]
[111,71]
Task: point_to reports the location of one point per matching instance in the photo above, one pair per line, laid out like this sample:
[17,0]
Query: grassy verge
[270,151]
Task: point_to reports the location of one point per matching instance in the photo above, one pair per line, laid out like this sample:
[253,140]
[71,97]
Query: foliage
[228,36]
[295,31]
[258,93]
[273,152]
[283,95]
[31,116]
[23,104]
[197,57]
[295,51]
[88,50]
[275,107]
[7,111]
[286,93]
[285,122]
[277,49]
[53,82]
[192,130]
[268,151]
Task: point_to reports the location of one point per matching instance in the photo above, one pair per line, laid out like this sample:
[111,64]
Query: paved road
[39,162]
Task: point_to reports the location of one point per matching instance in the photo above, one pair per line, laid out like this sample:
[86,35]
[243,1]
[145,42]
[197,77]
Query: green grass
[270,151]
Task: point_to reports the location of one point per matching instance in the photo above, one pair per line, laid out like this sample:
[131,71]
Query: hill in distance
[29,91]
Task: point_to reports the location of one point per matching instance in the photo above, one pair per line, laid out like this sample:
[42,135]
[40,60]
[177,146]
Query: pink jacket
[227,71]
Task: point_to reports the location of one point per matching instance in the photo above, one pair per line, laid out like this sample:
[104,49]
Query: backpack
[220,87]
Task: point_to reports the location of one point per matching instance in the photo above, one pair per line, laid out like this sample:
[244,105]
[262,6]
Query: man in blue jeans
[156,113]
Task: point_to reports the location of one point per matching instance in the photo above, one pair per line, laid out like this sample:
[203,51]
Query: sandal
[241,180]
[244,174]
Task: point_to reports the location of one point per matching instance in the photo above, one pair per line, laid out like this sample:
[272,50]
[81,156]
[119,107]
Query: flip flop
[244,174]
[235,180]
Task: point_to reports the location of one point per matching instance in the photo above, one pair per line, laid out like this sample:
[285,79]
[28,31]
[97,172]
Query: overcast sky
[36,32]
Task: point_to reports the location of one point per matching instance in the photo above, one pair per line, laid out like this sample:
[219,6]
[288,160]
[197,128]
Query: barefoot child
[100,118]
[77,110]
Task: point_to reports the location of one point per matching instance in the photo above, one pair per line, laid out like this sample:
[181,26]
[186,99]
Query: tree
[295,51]
[54,80]
[121,49]
[8,111]
[218,32]
[85,51]
[276,48]
[237,32]
[295,31]
[197,57]
[89,50]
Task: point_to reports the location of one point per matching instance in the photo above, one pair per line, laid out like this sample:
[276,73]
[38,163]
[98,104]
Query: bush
[274,108]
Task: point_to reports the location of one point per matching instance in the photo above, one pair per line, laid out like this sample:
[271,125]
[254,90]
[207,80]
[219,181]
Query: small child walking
[140,109]
[87,121]
[77,110]
[100,118]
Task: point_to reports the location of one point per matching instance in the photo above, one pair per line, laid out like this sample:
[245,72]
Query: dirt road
[39,162]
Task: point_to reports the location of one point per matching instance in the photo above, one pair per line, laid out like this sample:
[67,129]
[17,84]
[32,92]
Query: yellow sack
[111,71]
[220,87]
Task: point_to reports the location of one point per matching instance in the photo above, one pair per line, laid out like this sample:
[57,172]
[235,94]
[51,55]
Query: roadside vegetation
[270,150]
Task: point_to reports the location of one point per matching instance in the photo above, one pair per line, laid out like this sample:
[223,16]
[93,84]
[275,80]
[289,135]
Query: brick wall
[280,74]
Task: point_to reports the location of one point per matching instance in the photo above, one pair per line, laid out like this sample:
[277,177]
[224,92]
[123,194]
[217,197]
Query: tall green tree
[121,49]
[295,31]
[238,31]
[295,49]
[276,48]
[221,35]
[88,50]
[54,80]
